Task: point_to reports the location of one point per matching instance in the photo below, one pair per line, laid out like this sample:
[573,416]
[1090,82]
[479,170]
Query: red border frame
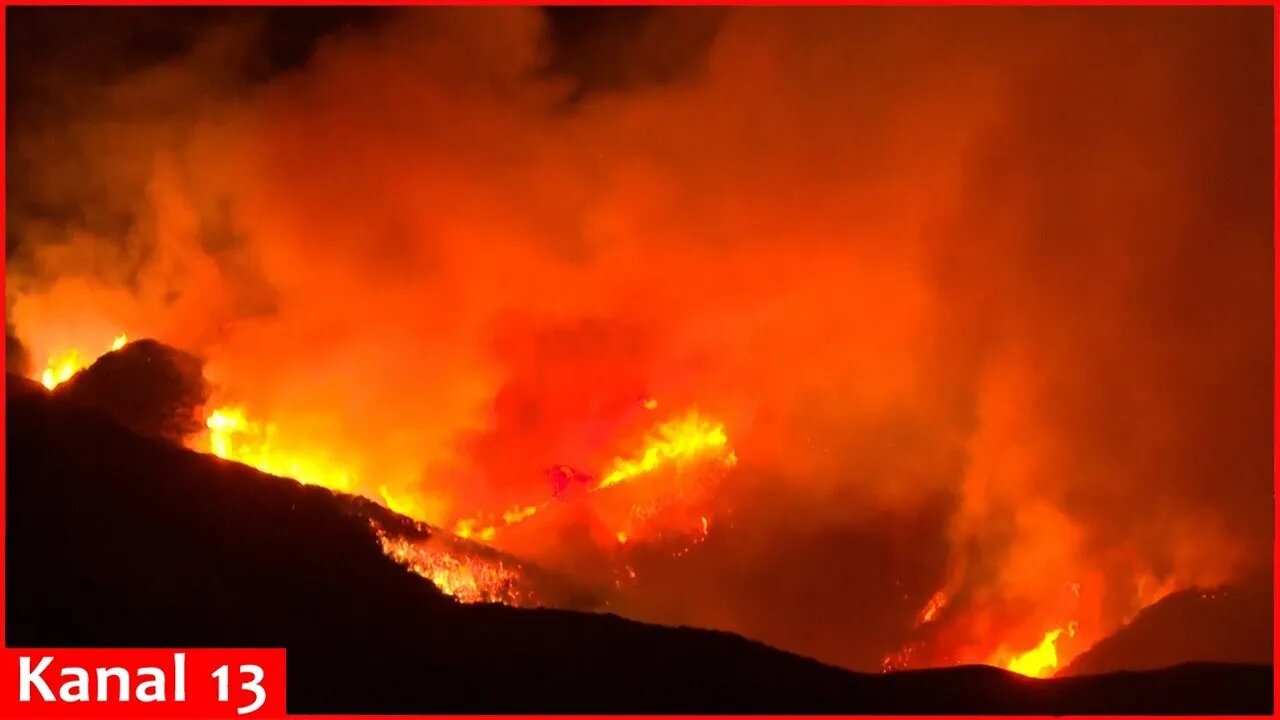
[1275,41]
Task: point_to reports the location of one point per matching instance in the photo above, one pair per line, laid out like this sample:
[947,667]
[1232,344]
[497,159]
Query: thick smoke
[983,297]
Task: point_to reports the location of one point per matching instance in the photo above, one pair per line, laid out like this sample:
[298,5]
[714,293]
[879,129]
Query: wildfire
[233,436]
[470,577]
[677,442]
[461,573]
[62,366]
[670,507]
[465,576]
[1039,661]
[1042,660]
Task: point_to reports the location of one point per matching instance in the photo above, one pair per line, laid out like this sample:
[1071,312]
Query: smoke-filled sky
[983,297]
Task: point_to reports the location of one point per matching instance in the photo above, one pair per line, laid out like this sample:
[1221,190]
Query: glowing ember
[932,608]
[233,436]
[465,576]
[900,660]
[63,365]
[691,438]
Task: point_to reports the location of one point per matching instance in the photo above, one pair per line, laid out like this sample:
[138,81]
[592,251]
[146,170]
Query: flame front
[670,448]
[465,576]
[680,441]
[62,366]
[954,357]
[233,436]
[675,444]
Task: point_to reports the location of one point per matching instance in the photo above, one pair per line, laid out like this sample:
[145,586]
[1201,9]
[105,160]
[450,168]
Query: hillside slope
[118,540]
[1217,625]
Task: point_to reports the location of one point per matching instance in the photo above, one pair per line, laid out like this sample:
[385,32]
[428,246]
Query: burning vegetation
[720,335]
[60,368]
[675,469]
[465,575]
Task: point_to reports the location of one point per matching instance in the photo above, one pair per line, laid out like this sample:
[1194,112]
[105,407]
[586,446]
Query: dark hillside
[1216,625]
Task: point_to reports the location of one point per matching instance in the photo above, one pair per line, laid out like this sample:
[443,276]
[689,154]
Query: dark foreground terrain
[119,540]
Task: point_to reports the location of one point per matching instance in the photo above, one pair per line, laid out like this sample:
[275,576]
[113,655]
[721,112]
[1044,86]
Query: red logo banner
[138,683]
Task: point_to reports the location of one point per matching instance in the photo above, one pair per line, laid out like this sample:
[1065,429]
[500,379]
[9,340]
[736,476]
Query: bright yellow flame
[62,366]
[675,442]
[233,436]
[1039,661]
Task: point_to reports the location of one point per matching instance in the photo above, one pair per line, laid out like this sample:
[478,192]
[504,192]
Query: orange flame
[1039,661]
[676,442]
[233,436]
[932,608]
[62,366]
[465,576]
[472,527]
